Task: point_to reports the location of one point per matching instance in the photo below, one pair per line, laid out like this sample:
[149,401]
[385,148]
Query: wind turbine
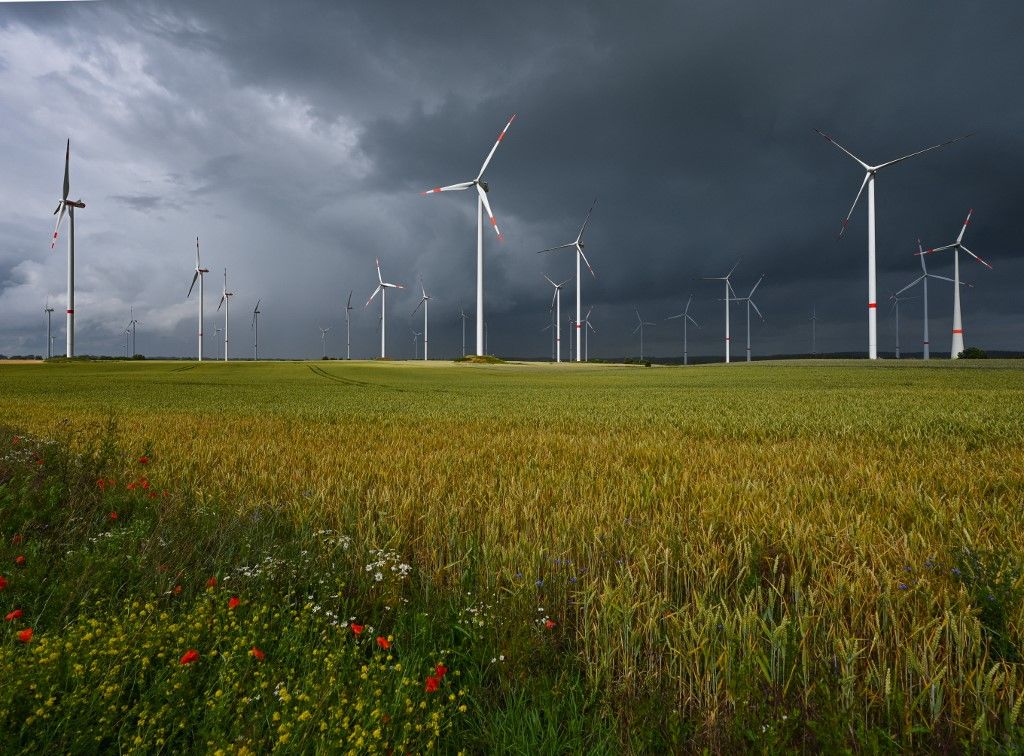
[556,302]
[323,340]
[416,343]
[68,206]
[578,246]
[49,339]
[225,300]
[923,280]
[382,288]
[896,300]
[686,316]
[957,247]
[728,292]
[425,303]
[463,317]
[482,204]
[587,326]
[870,171]
[127,330]
[348,328]
[131,324]
[749,299]
[814,334]
[255,325]
[640,327]
[200,272]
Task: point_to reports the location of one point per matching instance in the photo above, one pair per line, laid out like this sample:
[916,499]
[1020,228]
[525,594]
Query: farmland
[815,555]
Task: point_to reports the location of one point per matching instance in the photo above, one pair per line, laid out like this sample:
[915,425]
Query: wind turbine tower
[68,206]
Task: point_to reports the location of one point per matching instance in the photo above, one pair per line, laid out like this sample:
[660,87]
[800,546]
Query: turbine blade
[56,229]
[198,266]
[921,152]
[967,220]
[554,296]
[937,249]
[379,278]
[375,291]
[920,255]
[846,220]
[752,304]
[915,282]
[690,317]
[417,307]
[490,154]
[862,164]
[194,278]
[675,317]
[487,207]
[943,278]
[67,163]
[755,286]
[560,246]
[975,257]
[220,303]
[580,250]
[450,188]
[348,306]
[583,228]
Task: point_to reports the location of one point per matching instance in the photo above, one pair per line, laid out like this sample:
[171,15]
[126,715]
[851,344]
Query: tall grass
[793,555]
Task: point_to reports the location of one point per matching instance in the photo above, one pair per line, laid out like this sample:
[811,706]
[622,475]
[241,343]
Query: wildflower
[177,590]
[143,482]
[440,671]
[16,440]
[113,515]
[143,460]
[130,486]
[152,494]
[233,602]
[383,642]
[357,629]
[549,624]
[11,616]
[256,654]
[3,582]
[432,683]
[212,582]
[190,656]
[101,483]
[39,461]
[20,560]
[25,635]
[17,539]
[903,586]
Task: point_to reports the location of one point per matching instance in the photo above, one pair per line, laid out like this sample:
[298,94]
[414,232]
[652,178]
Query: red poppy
[549,624]
[212,582]
[432,683]
[113,515]
[143,482]
[111,483]
[256,654]
[11,616]
[16,440]
[20,560]
[3,582]
[130,486]
[165,493]
[233,602]
[25,635]
[177,590]
[143,460]
[101,483]
[39,461]
[357,629]
[440,670]
[383,642]
[190,656]
[17,539]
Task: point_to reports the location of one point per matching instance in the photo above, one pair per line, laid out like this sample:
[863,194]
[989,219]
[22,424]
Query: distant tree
[973,353]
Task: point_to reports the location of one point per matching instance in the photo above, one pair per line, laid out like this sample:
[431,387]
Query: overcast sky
[294,139]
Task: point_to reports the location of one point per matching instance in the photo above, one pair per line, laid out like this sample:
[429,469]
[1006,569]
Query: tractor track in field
[319,371]
[183,367]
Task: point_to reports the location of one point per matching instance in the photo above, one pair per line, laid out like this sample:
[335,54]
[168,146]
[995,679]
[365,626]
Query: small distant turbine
[729,293]
[870,171]
[255,326]
[49,339]
[225,301]
[814,344]
[957,247]
[323,340]
[896,300]
[556,302]
[686,318]
[482,204]
[463,316]
[348,327]
[749,299]
[68,206]
[923,280]
[640,327]
[382,289]
[578,246]
[425,304]
[132,324]
[587,326]
[416,343]
[200,272]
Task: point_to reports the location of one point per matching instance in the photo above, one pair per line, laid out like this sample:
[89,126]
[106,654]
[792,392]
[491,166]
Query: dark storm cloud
[296,137]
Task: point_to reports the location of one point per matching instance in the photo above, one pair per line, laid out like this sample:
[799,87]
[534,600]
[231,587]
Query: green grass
[779,555]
